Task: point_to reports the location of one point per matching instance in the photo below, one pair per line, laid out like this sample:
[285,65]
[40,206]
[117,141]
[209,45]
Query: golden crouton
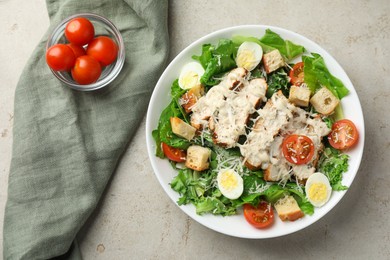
[299,96]
[198,158]
[272,61]
[324,101]
[181,128]
[288,209]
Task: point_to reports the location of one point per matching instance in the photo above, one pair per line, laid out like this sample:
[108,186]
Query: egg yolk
[190,79]
[246,59]
[318,192]
[229,181]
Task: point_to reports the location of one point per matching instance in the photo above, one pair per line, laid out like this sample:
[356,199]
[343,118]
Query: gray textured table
[137,220]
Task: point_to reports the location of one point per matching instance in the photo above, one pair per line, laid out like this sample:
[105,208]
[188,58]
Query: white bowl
[236,225]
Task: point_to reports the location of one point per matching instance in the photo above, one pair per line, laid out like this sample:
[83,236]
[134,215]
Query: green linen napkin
[67,143]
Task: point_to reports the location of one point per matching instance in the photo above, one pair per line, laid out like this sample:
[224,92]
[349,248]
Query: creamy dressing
[227,106]
[275,114]
[276,120]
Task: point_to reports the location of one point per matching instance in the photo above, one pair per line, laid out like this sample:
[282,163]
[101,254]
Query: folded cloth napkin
[67,143]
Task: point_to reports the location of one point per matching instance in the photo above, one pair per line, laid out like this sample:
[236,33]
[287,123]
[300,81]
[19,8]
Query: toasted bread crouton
[288,209]
[324,101]
[189,99]
[198,158]
[181,128]
[272,61]
[299,96]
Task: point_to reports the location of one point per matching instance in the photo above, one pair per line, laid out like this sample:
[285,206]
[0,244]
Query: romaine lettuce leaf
[318,75]
[286,47]
[239,39]
[156,137]
[300,197]
[164,133]
[197,189]
[216,60]
[333,164]
[271,41]
[200,190]
[278,80]
[219,59]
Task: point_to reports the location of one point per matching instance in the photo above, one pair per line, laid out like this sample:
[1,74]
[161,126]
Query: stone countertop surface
[137,220]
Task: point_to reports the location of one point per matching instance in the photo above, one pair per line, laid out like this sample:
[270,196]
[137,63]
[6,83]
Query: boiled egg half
[190,75]
[230,183]
[249,55]
[318,189]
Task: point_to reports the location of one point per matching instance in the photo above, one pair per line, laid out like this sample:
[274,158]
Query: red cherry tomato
[103,49]
[60,57]
[174,154]
[296,74]
[261,216]
[77,50]
[298,149]
[86,70]
[344,134]
[79,31]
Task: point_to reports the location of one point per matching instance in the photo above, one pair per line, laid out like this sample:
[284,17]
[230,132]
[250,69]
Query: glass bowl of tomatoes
[85,52]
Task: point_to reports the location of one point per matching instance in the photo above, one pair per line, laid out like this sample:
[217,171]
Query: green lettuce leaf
[164,133]
[216,60]
[239,39]
[197,188]
[285,47]
[156,137]
[278,80]
[318,75]
[333,164]
[271,41]
[300,197]
[219,59]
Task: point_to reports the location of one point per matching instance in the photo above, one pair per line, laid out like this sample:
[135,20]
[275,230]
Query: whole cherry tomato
[86,70]
[60,57]
[103,49]
[77,50]
[79,31]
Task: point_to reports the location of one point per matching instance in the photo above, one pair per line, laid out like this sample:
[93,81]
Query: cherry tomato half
[296,74]
[60,57]
[298,149]
[79,31]
[86,70]
[261,216]
[103,49]
[174,154]
[77,50]
[344,134]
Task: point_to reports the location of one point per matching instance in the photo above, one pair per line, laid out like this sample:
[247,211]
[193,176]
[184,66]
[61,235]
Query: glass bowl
[103,27]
